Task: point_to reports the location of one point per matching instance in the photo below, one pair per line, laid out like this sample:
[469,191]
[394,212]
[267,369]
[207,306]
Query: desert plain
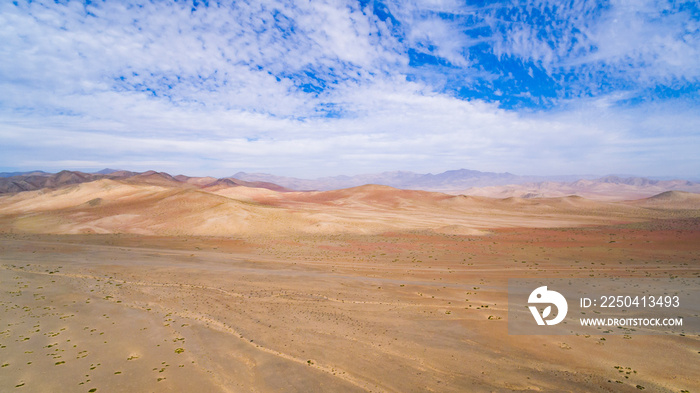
[154,284]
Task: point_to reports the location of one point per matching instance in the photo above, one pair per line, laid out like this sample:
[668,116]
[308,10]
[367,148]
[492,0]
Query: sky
[322,88]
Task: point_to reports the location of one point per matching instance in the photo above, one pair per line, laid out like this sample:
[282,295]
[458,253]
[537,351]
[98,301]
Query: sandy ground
[401,311]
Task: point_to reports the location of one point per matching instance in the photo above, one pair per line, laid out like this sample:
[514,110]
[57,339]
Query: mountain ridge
[492,184]
[36,180]
[449,180]
[455,182]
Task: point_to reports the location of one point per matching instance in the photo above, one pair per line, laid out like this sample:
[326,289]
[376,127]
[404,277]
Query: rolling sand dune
[154,283]
[671,200]
[156,204]
[605,189]
[91,194]
[198,181]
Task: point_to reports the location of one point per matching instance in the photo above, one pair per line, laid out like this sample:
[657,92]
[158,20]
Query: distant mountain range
[609,188]
[36,180]
[471,182]
[11,174]
[461,181]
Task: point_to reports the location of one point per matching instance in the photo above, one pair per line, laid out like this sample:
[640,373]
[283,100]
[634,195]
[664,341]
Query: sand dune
[610,190]
[671,200]
[90,194]
[247,194]
[198,181]
[156,203]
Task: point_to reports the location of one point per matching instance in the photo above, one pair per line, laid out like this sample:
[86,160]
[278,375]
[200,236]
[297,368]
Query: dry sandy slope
[402,312]
[110,206]
[670,200]
[152,204]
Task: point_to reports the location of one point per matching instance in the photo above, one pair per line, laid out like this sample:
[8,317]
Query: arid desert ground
[155,285]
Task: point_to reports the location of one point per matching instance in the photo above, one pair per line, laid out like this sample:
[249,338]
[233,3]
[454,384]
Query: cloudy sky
[314,88]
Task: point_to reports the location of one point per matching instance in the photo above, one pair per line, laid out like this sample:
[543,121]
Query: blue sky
[345,87]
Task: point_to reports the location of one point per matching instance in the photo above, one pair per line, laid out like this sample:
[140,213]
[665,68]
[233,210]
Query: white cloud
[641,43]
[218,90]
